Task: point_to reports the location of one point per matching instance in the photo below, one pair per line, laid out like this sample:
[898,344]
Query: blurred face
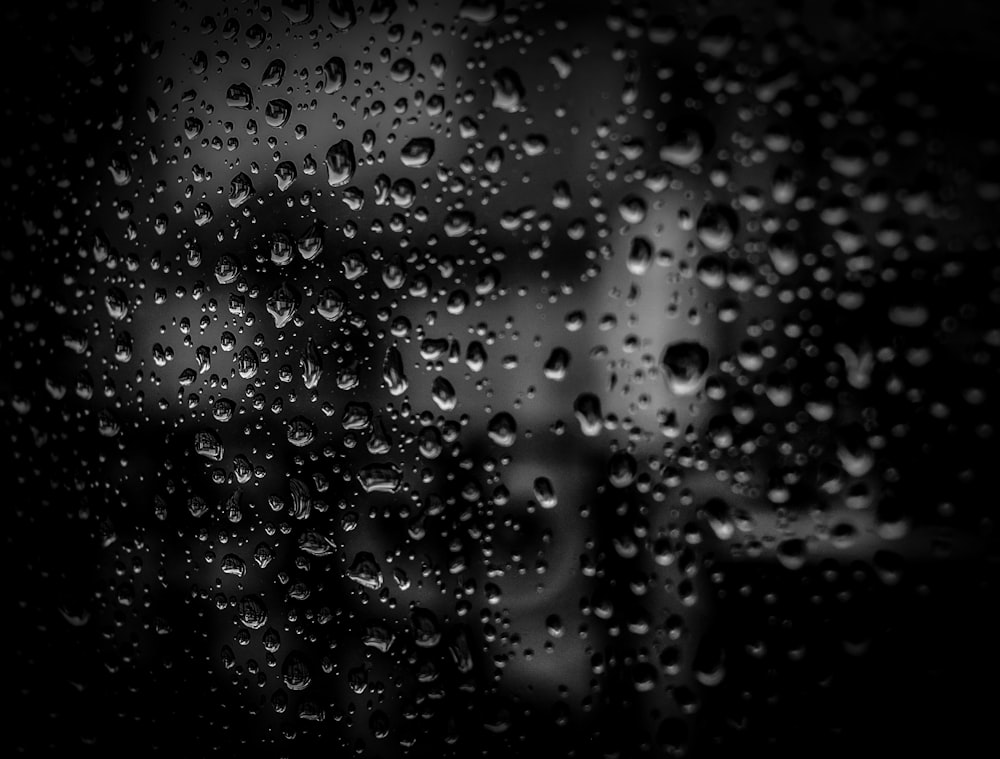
[426,375]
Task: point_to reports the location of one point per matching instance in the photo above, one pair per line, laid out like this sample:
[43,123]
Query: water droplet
[720,518]
[632,209]
[227,269]
[712,271]
[480,11]
[791,553]
[587,408]
[273,74]
[277,112]
[716,227]
[502,429]
[685,141]
[357,415]
[622,468]
[640,256]
[557,364]
[116,303]
[444,394]
[331,303]
[381,11]
[316,544]
[784,253]
[247,363]
[239,96]
[301,432]
[426,629]
[283,304]
[393,373]
[285,175]
[208,444]
[459,223]
[544,493]
[121,169]
[334,75]
[719,36]
[429,444]
[312,365]
[240,190]
[417,152]
[295,672]
[508,92]
[401,70]
[909,314]
[340,163]
[342,14]
[311,244]
[380,478]
[252,612]
[365,571]
[684,364]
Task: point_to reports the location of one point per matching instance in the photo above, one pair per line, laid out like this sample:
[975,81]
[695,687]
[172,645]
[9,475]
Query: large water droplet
[587,408]
[285,175]
[365,571]
[240,190]
[274,72]
[393,373]
[208,444]
[417,152]
[443,394]
[502,429]
[544,493]
[508,92]
[310,244]
[277,112]
[480,11]
[340,163]
[312,365]
[717,227]
[301,432]
[316,544]
[252,612]
[331,303]
[342,14]
[380,478]
[684,364]
[295,672]
[239,96]
[334,75]
[283,304]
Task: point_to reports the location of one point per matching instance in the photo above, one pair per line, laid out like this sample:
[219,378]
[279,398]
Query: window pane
[482,378]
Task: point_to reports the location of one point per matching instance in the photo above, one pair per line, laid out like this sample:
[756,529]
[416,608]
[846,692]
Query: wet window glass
[481,378]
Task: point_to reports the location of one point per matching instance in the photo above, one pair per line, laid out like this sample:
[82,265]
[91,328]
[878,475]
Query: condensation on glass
[486,379]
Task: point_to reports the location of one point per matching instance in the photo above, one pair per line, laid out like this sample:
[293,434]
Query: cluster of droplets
[309,363]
